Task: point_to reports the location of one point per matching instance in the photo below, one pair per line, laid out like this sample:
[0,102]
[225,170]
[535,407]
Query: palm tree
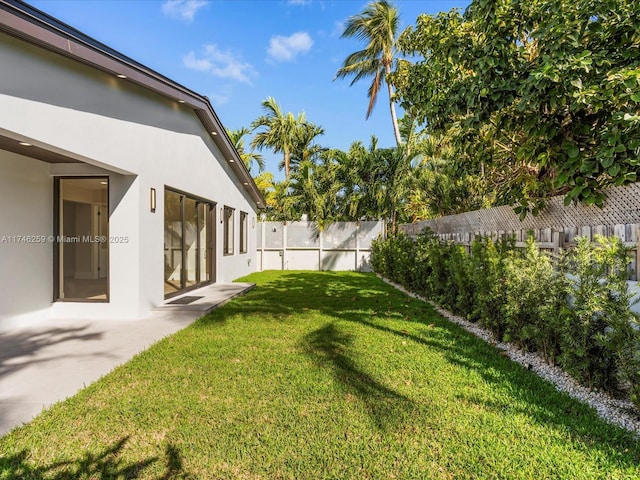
[315,191]
[377,25]
[237,138]
[374,181]
[282,206]
[305,150]
[279,132]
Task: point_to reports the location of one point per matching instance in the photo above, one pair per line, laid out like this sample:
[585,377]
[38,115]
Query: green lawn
[320,375]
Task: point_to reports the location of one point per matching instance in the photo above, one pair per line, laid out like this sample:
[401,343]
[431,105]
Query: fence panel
[340,236]
[303,246]
[273,234]
[303,235]
[368,232]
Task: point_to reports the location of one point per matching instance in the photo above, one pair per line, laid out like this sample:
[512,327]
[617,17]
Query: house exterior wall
[26,269]
[140,139]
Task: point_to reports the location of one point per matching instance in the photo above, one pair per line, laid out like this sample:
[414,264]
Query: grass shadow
[364,300]
[105,464]
[330,347]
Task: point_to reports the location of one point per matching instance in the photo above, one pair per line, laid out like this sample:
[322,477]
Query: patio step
[204,300]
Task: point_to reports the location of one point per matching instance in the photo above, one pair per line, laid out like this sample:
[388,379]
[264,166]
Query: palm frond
[373,91]
[377,27]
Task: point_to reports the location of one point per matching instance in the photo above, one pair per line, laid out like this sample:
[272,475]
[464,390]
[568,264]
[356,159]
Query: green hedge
[573,308]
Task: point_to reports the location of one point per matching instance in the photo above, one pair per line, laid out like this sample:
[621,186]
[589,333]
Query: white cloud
[190,61]
[182,9]
[218,99]
[222,64]
[299,2]
[285,49]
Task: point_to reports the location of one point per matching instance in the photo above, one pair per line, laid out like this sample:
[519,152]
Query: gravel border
[616,411]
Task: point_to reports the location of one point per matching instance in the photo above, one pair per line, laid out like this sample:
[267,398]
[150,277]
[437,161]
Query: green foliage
[249,158]
[381,257]
[371,178]
[422,267]
[464,286]
[439,281]
[488,262]
[293,136]
[436,189]
[394,259]
[599,343]
[574,309]
[539,96]
[535,302]
[364,183]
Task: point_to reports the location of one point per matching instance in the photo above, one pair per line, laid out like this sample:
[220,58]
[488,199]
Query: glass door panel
[211,243]
[172,242]
[190,242]
[203,229]
[83,232]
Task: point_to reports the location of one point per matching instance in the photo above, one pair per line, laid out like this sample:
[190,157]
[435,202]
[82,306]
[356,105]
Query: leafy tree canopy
[540,97]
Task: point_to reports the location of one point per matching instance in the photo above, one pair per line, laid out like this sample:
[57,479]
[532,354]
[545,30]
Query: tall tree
[314,191]
[305,149]
[377,25]
[282,132]
[372,181]
[540,98]
[249,158]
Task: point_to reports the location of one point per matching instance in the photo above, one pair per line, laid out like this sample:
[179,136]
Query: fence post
[285,265]
[585,231]
[637,251]
[320,249]
[263,229]
[556,237]
[357,231]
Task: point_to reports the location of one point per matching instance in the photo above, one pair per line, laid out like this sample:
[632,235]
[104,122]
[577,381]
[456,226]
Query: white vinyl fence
[303,246]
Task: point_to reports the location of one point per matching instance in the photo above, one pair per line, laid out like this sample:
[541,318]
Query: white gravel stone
[616,411]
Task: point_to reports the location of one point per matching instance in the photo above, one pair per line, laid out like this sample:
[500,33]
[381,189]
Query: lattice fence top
[622,206]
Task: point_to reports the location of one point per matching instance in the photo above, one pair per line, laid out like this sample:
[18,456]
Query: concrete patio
[45,363]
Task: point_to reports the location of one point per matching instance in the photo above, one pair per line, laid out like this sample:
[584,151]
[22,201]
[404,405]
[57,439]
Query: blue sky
[239,52]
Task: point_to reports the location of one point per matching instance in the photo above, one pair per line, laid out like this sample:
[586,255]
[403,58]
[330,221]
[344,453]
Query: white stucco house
[119,188]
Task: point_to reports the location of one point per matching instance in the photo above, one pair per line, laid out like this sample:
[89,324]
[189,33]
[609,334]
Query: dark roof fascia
[34,26]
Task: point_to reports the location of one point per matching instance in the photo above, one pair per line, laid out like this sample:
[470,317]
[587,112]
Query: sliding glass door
[172,242]
[81,247]
[188,242]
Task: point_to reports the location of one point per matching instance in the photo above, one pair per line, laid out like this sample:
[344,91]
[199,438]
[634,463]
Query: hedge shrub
[573,308]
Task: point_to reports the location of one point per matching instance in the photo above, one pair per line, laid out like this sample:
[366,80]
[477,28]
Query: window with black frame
[228,230]
[244,236]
